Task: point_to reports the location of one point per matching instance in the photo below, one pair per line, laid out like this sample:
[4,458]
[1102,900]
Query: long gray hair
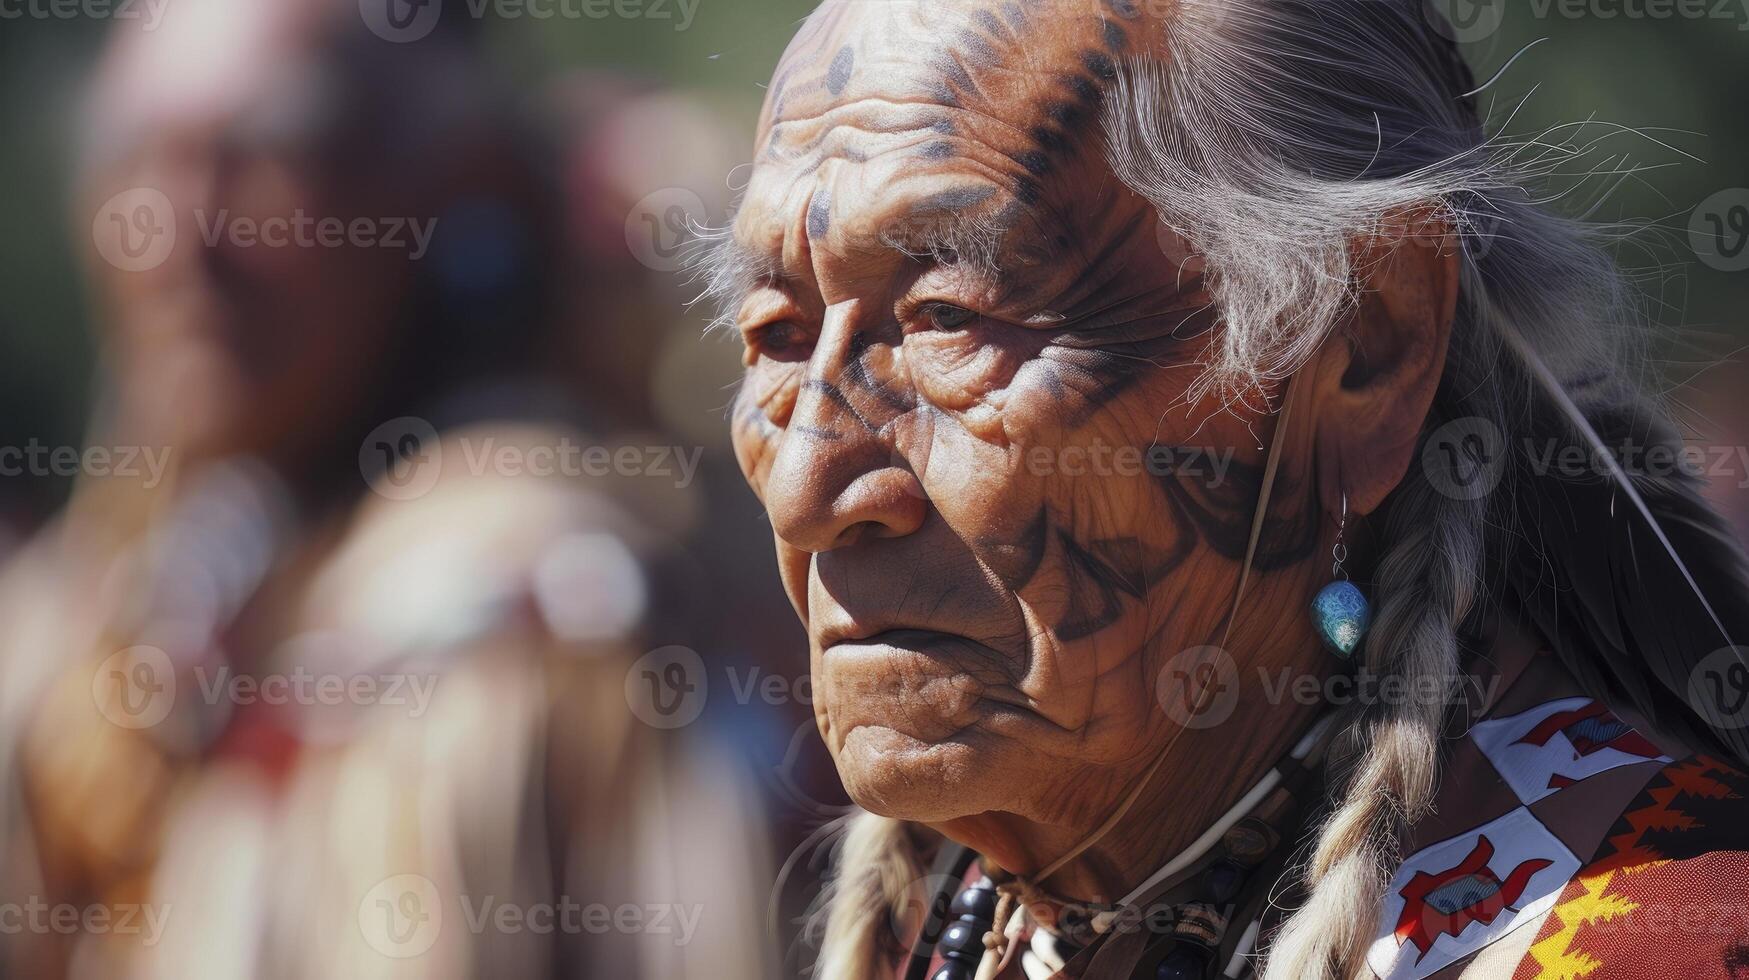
[1276,135]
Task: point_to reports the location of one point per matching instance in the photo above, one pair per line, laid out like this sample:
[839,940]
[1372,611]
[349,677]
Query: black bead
[974,903]
[962,941]
[1180,964]
[952,971]
[1224,880]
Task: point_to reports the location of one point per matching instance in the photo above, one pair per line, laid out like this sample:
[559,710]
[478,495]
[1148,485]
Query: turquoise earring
[1340,610]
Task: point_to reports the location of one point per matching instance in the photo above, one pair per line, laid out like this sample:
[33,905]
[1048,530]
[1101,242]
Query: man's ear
[1379,371]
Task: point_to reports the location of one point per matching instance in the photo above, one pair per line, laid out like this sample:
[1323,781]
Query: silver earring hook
[1339,553]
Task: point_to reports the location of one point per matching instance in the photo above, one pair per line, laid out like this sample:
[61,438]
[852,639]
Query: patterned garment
[1569,842]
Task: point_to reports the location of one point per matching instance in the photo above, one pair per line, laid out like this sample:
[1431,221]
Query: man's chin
[897,775]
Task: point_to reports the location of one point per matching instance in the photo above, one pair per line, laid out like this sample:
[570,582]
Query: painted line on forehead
[956,199]
[839,71]
[820,213]
[990,25]
[1116,38]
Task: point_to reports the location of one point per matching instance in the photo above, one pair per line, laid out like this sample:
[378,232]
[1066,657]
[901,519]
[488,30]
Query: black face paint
[838,73]
[820,213]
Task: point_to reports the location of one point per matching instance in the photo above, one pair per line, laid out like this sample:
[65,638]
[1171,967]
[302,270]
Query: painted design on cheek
[1103,572]
[1081,382]
[856,373]
[838,73]
[1016,562]
[1222,513]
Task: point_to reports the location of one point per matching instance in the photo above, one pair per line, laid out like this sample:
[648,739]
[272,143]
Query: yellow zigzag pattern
[1590,907]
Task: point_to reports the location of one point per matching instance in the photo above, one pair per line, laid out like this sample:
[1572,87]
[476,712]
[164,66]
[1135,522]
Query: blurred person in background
[485,798]
[642,162]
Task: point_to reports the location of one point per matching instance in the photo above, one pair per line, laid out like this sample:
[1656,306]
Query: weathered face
[968,348]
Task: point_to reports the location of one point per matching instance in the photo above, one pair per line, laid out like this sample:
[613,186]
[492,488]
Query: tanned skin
[992,609]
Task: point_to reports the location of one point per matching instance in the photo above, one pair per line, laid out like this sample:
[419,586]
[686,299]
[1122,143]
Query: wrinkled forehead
[972,110]
[978,54]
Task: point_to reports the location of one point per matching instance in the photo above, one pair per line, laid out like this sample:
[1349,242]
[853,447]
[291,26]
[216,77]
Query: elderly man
[1092,348]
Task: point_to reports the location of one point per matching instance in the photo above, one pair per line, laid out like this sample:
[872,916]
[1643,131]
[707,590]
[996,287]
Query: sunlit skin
[991,608]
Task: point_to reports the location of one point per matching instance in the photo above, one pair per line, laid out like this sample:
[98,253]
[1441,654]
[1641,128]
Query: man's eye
[780,338]
[941,316]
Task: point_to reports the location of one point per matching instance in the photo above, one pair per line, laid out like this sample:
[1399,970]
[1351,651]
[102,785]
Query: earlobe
[1379,372]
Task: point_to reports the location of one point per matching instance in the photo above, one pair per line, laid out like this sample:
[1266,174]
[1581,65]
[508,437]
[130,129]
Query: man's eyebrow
[728,269]
[945,228]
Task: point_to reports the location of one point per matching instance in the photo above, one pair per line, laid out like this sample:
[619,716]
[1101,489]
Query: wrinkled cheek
[755,439]
[969,372]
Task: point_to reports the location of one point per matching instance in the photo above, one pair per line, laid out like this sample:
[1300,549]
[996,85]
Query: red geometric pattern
[1667,894]
[1447,902]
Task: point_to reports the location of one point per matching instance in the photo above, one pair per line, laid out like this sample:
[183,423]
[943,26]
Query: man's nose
[837,478]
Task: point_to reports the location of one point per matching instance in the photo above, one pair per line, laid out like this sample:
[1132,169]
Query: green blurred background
[1684,76]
